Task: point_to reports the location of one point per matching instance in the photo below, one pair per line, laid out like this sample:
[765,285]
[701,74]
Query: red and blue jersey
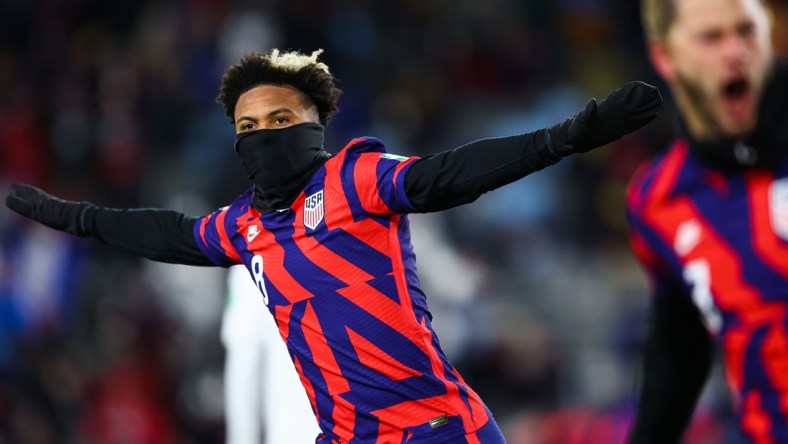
[338,273]
[720,238]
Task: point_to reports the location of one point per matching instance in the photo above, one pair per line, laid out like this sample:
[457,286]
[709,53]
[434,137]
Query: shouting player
[326,240]
[709,219]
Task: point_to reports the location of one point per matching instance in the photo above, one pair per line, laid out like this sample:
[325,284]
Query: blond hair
[294,60]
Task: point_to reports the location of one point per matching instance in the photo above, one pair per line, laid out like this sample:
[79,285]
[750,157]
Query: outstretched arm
[459,176]
[160,235]
[676,362]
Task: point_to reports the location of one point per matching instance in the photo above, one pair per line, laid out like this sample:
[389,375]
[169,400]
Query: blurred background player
[709,219]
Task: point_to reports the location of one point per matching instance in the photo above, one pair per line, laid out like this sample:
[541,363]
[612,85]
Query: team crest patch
[778,207]
[313,210]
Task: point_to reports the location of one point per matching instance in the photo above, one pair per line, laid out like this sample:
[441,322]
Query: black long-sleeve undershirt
[433,183]
[461,175]
[159,235]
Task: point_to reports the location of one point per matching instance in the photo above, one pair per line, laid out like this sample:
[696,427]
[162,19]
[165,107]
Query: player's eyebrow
[281,110]
[242,118]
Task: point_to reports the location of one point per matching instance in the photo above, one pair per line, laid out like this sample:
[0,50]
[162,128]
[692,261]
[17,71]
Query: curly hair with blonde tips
[290,68]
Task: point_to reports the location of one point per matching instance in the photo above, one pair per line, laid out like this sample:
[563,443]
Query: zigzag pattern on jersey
[749,278]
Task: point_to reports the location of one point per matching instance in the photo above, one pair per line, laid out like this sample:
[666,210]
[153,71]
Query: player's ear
[660,57]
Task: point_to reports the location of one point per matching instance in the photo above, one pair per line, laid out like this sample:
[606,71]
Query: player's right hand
[49,210]
[623,111]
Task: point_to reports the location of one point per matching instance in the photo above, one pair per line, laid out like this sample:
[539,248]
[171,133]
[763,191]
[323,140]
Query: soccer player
[709,220]
[326,240]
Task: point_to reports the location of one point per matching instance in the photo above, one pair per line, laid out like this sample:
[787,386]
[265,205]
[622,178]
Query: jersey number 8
[257,273]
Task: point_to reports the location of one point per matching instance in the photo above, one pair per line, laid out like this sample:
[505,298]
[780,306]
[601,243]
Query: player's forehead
[700,15]
[263,99]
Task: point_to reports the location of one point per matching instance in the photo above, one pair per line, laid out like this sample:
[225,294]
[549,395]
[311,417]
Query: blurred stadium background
[536,297]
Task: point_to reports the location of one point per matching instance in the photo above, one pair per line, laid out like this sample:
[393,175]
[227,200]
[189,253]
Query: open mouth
[737,99]
[736,89]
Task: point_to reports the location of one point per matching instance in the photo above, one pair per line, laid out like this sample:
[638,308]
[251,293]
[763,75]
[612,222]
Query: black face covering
[280,162]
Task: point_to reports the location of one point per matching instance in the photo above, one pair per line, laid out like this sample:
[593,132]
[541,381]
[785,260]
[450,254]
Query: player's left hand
[47,209]
[623,111]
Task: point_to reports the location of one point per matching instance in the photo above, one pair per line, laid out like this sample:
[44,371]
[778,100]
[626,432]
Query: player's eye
[280,121]
[710,37]
[247,126]
[746,30]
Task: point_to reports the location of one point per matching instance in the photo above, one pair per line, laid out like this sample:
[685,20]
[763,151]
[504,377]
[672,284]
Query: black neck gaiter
[280,162]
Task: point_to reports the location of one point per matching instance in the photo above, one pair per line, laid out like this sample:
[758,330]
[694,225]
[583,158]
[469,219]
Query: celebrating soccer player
[325,238]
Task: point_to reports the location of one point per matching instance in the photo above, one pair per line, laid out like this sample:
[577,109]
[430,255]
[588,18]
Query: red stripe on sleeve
[203,224]
[228,247]
[338,213]
[365,177]
[399,168]
[768,246]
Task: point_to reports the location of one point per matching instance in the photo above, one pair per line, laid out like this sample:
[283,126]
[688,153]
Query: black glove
[55,213]
[621,112]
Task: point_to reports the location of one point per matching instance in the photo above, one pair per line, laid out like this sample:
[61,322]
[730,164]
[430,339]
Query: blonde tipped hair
[294,60]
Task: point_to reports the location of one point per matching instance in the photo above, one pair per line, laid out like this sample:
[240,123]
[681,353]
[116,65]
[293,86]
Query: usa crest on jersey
[313,210]
[778,207]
